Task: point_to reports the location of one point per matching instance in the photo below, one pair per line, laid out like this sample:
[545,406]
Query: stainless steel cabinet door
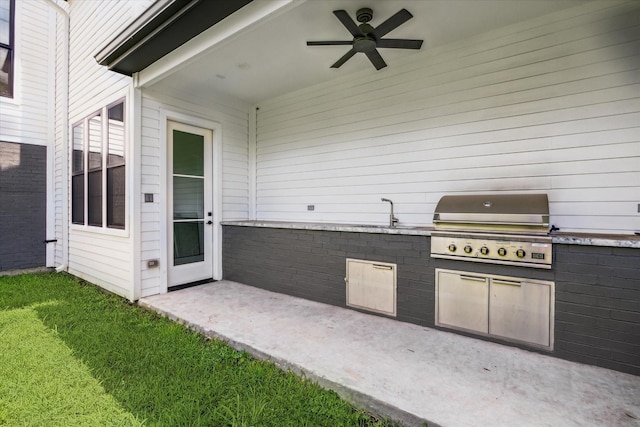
[371,286]
[520,310]
[462,301]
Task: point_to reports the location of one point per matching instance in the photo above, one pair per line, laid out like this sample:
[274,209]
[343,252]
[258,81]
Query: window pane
[95,142]
[78,149]
[116,135]
[5,73]
[188,153]
[94,196]
[77,199]
[116,197]
[5,22]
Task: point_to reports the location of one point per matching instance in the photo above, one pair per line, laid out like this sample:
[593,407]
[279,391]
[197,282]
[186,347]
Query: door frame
[165,116]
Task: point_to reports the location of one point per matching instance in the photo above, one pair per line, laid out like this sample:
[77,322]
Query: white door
[190,203]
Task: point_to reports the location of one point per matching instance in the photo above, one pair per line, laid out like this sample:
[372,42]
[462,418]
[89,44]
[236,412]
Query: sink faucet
[392,219]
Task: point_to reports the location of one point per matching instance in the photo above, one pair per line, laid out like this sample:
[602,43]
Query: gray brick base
[597,289]
[312,264]
[598,306]
[22,205]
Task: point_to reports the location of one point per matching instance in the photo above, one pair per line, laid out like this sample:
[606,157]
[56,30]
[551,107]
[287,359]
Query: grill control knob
[468,249]
[520,253]
[484,250]
[452,248]
[502,251]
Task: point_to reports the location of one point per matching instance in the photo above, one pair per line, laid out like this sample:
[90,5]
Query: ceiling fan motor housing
[364,15]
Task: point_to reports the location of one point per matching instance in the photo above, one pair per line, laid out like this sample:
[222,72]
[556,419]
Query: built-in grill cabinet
[510,308]
[501,229]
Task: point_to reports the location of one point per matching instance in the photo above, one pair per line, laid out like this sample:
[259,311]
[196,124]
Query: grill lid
[504,213]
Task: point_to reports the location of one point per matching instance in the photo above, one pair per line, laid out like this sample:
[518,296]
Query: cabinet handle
[507,282]
[474,278]
[382,267]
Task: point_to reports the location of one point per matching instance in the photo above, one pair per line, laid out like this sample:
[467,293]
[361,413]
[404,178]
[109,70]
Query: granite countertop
[614,240]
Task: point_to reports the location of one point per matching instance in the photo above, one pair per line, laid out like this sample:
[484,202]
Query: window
[7,12]
[77,174]
[94,172]
[115,167]
[98,169]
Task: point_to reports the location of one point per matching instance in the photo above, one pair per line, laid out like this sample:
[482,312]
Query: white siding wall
[25,118]
[551,105]
[233,118]
[98,255]
[60,166]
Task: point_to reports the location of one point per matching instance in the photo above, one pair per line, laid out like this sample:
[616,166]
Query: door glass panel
[188,156]
[188,242]
[188,198]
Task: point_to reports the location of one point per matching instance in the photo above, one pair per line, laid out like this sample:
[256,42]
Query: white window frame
[84,120]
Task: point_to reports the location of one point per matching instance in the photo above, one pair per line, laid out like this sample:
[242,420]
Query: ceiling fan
[367,39]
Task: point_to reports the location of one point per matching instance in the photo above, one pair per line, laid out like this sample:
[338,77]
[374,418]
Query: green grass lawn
[71,354]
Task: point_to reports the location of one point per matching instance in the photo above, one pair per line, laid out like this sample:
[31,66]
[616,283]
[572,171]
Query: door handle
[474,278]
[209,222]
[507,282]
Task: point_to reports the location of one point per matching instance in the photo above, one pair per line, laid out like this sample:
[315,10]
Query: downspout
[61,9]
[253,138]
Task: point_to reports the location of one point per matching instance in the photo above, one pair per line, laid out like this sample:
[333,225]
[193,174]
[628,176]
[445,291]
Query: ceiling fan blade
[399,43]
[346,20]
[344,59]
[376,59]
[392,23]
[331,43]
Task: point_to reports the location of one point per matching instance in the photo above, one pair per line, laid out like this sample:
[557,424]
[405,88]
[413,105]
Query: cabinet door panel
[520,311]
[371,286]
[462,301]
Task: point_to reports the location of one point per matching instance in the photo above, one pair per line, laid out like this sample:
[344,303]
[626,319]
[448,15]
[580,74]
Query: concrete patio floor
[407,372]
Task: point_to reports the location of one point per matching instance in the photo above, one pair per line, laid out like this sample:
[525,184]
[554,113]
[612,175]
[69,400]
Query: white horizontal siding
[102,259]
[93,24]
[98,255]
[60,203]
[550,105]
[235,201]
[25,118]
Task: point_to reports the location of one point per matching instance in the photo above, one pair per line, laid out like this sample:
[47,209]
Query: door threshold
[190,284]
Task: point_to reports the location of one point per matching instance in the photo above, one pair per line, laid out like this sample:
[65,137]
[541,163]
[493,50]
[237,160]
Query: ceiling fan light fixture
[364,44]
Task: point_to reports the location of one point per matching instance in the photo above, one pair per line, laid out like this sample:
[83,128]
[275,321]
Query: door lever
[209,222]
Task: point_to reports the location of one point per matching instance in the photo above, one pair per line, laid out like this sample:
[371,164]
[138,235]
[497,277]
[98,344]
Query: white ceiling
[271,57]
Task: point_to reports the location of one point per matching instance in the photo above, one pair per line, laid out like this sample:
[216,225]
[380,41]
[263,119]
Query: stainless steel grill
[493,228]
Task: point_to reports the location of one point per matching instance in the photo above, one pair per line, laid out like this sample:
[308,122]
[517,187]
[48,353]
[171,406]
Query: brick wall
[597,313]
[22,205]
[598,306]
[312,264]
